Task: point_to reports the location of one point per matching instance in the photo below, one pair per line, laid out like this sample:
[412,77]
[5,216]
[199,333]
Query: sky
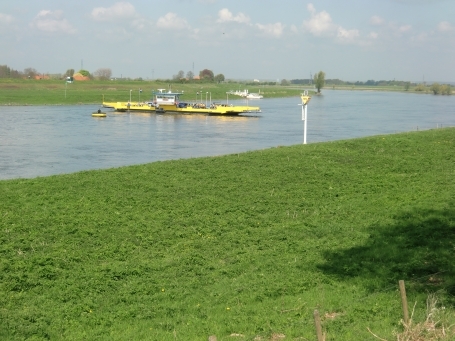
[351,40]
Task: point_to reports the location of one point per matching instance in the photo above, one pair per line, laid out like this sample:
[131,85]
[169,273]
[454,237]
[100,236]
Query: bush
[446,89]
[436,88]
[420,87]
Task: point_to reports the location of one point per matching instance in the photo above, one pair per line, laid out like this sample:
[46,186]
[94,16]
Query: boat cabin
[161,98]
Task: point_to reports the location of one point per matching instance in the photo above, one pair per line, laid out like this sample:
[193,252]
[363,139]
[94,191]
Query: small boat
[163,102]
[99,113]
[253,95]
[246,94]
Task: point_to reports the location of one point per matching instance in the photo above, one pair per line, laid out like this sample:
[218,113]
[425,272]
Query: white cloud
[405,28]
[347,35]
[140,24]
[225,15]
[445,26]
[420,38]
[376,20]
[373,35]
[172,21]
[274,30]
[51,22]
[320,23]
[119,10]
[6,19]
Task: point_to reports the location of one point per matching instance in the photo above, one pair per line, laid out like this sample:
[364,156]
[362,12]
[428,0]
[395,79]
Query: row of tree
[207,75]
[204,75]
[7,72]
[370,82]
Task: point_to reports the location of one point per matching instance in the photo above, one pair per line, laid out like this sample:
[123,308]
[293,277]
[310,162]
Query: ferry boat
[170,102]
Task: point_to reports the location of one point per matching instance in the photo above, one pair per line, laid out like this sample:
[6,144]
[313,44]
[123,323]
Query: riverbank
[246,244]
[58,92]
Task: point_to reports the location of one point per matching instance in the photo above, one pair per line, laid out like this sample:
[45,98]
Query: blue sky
[267,40]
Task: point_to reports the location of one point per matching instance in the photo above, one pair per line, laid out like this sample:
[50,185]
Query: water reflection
[46,140]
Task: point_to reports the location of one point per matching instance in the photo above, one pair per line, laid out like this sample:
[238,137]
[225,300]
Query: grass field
[57,92]
[243,246]
[48,92]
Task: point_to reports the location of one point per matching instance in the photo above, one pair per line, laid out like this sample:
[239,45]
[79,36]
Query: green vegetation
[47,92]
[383,85]
[207,75]
[441,89]
[319,81]
[219,78]
[242,246]
[84,73]
[420,87]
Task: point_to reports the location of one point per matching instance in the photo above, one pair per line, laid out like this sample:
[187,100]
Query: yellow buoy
[99,114]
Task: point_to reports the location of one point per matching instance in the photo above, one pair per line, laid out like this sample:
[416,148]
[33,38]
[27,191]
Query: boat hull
[188,109]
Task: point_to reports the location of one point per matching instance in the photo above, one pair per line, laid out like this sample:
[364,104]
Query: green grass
[246,244]
[48,92]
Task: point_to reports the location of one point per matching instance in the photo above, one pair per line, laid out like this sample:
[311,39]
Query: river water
[47,140]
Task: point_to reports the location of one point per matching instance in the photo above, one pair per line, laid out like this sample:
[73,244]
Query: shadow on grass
[419,248]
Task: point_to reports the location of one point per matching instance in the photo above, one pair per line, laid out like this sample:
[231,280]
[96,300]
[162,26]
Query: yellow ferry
[170,102]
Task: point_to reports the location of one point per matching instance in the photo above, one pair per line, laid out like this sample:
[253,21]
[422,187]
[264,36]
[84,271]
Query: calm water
[46,140]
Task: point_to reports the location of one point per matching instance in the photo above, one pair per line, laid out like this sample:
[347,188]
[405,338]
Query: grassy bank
[242,246]
[48,92]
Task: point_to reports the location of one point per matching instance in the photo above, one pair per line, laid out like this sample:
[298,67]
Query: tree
[69,73]
[420,87]
[219,78]
[285,82]
[179,75]
[446,89]
[7,72]
[407,85]
[103,74]
[190,75]
[30,72]
[84,73]
[436,88]
[319,81]
[206,75]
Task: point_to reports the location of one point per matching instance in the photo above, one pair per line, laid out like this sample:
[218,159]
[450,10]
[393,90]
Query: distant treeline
[7,72]
[367,83]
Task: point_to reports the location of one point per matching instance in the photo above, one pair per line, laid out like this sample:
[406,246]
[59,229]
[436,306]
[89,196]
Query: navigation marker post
[305,99]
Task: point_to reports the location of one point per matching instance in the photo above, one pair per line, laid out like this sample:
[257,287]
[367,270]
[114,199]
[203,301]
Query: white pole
[304,108]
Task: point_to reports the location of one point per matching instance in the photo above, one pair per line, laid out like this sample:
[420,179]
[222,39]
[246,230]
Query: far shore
[57,92]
